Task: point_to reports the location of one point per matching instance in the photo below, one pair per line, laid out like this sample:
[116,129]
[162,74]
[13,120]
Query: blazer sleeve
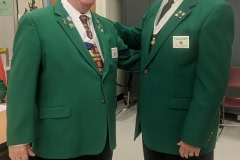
[212,74]
[130,35]
[21,105]
[128,60]
[3,90]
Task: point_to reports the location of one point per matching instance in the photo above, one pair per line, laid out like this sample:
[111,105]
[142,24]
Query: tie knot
[83,19]
[171,1]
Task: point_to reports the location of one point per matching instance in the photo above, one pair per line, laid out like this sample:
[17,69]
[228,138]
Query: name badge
[114,52]
[180,41]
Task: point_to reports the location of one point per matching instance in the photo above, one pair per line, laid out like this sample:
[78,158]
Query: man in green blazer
[186,48]
[62,91]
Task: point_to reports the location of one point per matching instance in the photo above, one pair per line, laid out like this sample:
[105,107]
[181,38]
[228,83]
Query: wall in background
[236,45]
[113,9]
[7,30]
[101,7]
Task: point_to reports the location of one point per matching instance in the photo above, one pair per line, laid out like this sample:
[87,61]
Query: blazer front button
[103,101]
[145,71]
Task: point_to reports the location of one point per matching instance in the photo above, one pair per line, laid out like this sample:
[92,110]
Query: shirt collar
[73,12]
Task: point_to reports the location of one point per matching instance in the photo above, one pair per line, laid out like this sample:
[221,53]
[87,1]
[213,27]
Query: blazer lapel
[147,33]
[180,14]
[99,29]
[73,34]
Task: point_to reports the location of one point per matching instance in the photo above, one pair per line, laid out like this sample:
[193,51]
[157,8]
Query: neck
[79,7]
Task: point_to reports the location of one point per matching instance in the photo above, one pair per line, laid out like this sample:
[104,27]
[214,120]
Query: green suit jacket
[181,88]
[57,99]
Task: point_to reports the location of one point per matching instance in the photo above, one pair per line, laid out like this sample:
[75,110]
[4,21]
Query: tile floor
[228,145]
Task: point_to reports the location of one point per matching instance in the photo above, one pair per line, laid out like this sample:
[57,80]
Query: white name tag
[114,52]
[180,41]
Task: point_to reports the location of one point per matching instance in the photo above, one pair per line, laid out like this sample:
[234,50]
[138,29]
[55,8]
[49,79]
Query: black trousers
[153,155]
[105,155]
[4,152]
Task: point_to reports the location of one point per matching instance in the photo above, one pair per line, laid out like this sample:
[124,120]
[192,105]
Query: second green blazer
[181,88]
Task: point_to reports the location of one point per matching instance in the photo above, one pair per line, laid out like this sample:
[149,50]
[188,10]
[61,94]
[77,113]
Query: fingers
[181,151]
[20,152]
[197,152]
[188,151]
[191,154]
[30,152]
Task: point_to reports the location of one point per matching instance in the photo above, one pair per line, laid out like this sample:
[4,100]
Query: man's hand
[20,152]
[187,150]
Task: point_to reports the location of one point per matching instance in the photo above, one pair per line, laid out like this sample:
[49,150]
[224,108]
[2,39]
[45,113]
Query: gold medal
[153,41]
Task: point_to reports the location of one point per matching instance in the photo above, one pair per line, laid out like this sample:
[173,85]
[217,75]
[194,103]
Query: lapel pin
[99,25]
[180,12]
[176,15]
[183,14]
[64,21]
[71,25]
[69,18]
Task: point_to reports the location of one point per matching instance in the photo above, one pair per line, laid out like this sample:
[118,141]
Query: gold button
[145,71]
[103,101]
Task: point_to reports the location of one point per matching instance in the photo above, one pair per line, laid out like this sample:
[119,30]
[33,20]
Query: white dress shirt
[158,27]
[74,14]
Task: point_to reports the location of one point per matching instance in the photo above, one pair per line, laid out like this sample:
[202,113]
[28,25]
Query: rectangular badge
[114,52]
[180,41]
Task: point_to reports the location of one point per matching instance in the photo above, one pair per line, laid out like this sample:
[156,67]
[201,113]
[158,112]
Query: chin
[87,2]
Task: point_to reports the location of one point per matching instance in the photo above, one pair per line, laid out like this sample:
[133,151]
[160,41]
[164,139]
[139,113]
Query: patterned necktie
[93,50]
[165,9]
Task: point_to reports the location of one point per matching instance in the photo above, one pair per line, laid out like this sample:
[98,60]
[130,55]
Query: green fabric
[3,89]
[180,95]
[56,91]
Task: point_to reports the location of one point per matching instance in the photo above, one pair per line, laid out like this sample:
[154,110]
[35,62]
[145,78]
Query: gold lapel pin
[99,25]
[71,25]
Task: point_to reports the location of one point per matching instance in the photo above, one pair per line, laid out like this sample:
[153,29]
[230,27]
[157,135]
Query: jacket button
[103,101]
[211,133]
[145,71]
